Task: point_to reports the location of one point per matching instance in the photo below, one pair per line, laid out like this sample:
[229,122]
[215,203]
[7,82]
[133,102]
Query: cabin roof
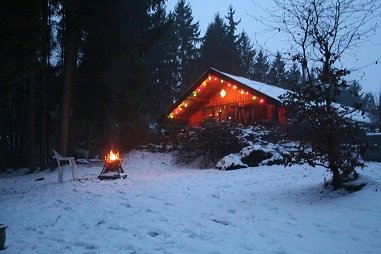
[266,89]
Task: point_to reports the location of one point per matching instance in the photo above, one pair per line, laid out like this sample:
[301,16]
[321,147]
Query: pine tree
[277,73]
[261,67]
[293,78]
[247,56]
[351,95]
[186,37]
[212,49]
[231,41]
[220,47]
[163,66]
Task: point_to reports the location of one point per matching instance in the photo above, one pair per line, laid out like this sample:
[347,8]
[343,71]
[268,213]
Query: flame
[112,156]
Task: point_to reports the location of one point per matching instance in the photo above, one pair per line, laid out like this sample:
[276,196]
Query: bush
[209,143]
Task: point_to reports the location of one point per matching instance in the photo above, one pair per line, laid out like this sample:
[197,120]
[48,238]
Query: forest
[89,75]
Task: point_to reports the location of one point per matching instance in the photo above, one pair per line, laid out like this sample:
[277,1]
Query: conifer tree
[294,78]
[247,56]
[231,41]
[277,73]
[186,37]
[212,50]
[261,67]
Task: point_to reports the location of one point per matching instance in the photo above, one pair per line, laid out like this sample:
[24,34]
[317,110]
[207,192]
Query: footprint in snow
[225,223]
[152,234]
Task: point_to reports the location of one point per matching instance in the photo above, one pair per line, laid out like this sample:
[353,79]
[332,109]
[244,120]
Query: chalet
[223,96]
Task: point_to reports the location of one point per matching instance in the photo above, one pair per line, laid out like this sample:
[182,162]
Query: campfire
[112,166]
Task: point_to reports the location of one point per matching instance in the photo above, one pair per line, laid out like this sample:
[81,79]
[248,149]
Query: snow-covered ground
[163,208]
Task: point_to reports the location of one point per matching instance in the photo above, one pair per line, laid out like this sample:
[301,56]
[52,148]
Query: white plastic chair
[71,161]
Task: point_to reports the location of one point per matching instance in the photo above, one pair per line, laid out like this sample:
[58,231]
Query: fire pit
[112,167]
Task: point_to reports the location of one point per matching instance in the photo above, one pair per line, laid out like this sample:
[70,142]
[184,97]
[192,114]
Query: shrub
[209,143]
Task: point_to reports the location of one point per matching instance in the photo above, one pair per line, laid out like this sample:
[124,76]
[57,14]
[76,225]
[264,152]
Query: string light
[223,93]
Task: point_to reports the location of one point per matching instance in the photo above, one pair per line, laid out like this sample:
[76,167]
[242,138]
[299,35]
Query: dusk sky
[205,10]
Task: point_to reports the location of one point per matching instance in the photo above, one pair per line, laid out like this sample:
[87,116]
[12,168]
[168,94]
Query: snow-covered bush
[230,162]
[256,155]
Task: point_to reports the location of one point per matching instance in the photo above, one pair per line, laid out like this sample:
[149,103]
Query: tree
[247,55]
[219,48]
[293,78]
[71,38]
[212,48]
[277,73]
[21,43]
[186,38]
[351,95]
[231,42]
[166,65]
[261,67]
[322,31]
[115,67]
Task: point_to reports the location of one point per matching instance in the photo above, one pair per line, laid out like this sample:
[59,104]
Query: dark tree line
[71,73]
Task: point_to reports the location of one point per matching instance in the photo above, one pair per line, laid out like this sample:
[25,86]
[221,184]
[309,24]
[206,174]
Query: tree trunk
[336,180]
[31,151]
[44,110]
[70,59]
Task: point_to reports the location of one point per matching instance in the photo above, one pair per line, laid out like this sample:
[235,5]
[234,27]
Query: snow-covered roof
[270,90]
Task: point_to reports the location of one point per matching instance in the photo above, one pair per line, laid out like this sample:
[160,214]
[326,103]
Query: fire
[112,156]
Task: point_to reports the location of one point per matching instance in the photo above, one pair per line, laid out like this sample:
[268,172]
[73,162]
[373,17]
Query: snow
[164,208]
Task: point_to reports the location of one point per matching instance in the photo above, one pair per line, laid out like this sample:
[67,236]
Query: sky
[366,71]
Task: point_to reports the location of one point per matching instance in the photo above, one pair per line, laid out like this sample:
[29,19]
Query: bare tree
[321,32]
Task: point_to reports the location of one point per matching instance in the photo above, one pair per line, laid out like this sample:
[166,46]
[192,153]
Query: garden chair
[71,161]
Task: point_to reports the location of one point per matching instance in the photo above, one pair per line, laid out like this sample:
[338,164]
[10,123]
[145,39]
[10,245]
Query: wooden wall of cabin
[239,106]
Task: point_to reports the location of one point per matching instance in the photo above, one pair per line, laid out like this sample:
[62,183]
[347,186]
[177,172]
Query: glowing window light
[222,81]
[185,105]
[242,91]
[262,100]
[204,83]
[210,78]
[234,87]
[215,78]
[229,85]
[223,93]
[254,97]
[199,89]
